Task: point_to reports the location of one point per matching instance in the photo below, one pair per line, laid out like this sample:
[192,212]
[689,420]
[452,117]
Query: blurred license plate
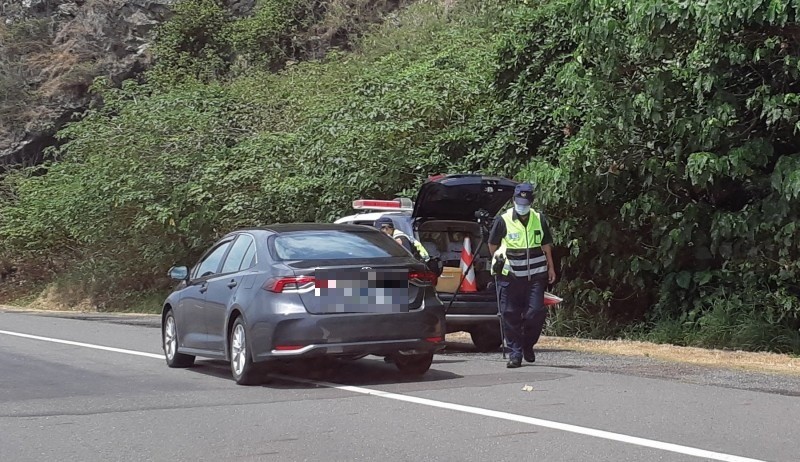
[362,291]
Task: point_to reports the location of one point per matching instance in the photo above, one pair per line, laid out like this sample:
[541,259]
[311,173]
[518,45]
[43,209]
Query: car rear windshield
[335,245]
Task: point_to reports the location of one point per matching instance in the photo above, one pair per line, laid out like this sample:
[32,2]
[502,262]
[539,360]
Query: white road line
[85,345]
[676,448]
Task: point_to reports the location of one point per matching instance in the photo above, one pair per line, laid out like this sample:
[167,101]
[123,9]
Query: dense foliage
[677,184]
[662,135]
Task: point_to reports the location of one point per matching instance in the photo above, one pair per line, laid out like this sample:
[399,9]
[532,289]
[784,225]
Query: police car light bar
[373,204]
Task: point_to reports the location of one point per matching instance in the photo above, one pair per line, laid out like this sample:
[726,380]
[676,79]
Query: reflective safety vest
[522,246]
[423,253]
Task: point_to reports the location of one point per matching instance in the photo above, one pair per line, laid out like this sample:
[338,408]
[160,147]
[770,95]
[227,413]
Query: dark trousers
[523,312]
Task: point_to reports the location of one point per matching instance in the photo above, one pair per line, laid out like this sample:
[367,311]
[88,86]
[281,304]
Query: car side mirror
[179,273]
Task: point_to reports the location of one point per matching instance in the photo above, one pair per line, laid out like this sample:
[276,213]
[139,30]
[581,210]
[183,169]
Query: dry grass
[344,21]
[55,298]
[750,361]
[60,58]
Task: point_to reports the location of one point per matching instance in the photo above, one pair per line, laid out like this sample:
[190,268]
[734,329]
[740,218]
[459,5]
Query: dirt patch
[54,298]
[744,360]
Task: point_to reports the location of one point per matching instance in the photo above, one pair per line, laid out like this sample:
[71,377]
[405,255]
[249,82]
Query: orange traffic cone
[468,283]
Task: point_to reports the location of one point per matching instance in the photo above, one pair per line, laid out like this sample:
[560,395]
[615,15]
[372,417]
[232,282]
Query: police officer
[520,242]
[414,247]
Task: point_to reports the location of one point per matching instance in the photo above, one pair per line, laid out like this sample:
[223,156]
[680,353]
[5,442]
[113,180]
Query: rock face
[51,50]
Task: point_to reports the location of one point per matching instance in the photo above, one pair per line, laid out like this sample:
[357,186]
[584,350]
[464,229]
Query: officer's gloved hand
[499,263]
[435,264]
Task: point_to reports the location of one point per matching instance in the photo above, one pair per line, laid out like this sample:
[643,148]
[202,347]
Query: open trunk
[445,239]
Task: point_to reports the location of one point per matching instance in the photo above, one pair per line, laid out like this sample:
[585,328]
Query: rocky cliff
[51,50]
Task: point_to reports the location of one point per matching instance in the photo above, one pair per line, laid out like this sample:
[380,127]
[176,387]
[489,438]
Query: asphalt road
[83,401]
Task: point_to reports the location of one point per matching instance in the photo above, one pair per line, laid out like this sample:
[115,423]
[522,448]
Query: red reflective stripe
[468,283]
[550,299]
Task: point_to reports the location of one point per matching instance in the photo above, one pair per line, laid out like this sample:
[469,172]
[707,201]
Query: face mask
[522,209]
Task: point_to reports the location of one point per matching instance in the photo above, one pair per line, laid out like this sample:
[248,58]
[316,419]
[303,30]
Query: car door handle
[232,284]
[203,288]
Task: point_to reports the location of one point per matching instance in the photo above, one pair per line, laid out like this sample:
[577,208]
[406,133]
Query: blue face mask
[522,209]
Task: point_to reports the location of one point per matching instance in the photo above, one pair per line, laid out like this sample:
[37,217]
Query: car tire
[244,371]
[169,342]
[486,338]
[413,364]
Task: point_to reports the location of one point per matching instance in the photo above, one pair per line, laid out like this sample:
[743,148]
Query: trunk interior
[445,239]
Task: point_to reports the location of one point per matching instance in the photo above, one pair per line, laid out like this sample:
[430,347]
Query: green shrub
[663,138]
[675,183]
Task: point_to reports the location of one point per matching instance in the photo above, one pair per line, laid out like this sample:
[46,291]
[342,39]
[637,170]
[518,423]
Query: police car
[448,209]
[399,210]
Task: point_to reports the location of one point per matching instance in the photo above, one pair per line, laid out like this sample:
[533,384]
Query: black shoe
[529,355]
[514,363]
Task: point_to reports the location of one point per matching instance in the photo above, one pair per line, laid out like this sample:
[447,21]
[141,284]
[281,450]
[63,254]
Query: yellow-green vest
[522,246]
[423,252]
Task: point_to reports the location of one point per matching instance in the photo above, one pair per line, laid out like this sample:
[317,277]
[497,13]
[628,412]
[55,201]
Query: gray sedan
[303,291]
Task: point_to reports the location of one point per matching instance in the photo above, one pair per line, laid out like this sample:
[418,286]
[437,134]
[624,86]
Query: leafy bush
[662,135]
[675,187]
[156,173]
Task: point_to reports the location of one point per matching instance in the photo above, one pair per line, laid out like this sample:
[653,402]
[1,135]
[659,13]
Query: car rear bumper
[385,347]
[300,335]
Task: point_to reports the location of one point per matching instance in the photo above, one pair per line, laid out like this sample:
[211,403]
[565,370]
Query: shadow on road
[467,347]
[341,372]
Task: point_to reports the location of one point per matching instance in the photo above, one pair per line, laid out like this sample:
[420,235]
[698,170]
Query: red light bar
[375,204]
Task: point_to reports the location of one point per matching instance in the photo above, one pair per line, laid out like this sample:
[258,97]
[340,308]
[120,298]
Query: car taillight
[422,278]
[434,339]
[288,284]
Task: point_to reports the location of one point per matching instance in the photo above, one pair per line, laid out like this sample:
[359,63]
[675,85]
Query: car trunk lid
[459,197]
[360,286]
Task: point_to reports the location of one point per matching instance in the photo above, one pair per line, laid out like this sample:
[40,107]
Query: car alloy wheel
[170,344]
[170,339]
[238,349]
[245,372]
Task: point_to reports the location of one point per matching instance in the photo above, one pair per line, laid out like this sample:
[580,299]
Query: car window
[238,250]
[249,259]
[211,262]
[334,245]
